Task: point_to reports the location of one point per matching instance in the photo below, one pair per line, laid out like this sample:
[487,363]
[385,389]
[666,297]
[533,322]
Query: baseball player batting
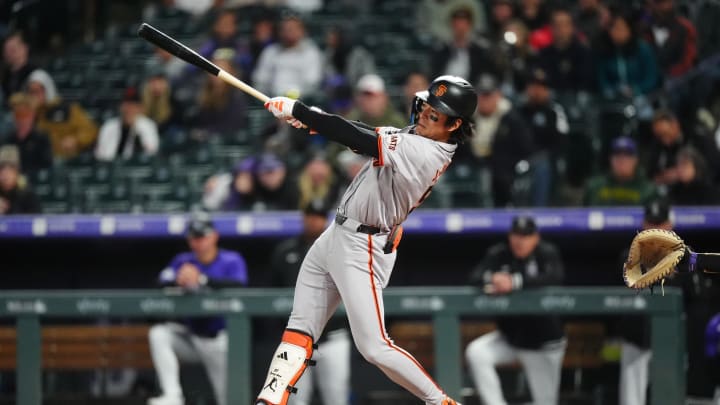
[353,259]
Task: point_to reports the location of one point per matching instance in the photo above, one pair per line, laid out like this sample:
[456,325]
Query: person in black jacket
[463,55]
[537,342]
[502,139]
[694,185]
[332,371]
[549,126]
[668,138]
[567,61]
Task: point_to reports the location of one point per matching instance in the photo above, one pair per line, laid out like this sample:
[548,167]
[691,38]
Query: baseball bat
[162,40]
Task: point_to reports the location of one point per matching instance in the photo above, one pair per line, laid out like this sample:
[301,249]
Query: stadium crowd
[580,103]
[586,103]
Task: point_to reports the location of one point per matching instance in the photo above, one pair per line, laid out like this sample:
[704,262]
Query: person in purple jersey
[198,339]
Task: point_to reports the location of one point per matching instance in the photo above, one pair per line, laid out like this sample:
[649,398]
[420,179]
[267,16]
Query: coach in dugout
[537,342]
[201,340]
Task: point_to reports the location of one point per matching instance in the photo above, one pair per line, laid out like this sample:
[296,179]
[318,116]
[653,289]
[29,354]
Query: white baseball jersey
[387,189]
[349,265]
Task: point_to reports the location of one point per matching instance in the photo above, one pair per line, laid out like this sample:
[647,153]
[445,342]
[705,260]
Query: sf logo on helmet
[440,90]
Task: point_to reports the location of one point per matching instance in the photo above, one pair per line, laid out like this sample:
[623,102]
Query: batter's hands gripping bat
[161,40]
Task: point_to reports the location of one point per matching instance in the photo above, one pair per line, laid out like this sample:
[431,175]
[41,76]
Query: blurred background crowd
[580,103]
[588,102]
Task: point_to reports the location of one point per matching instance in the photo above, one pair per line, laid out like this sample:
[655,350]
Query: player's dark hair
[463,133]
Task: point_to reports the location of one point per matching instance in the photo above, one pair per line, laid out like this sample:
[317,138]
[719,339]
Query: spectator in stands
[534,14]
[69,126]
[501,140]
[224,35]
[625,63]
[523,262]
[344,57]
[516,57]
[672,36]
[331,374]
[317,181]
[33,144]
[129,134]
[549,126]
[635,351]
[501,13]
[274,189]
[17,66]
[372,104]
[625,184]
[16,197]
[668,139]
[567,61]
[291,67]
[221,108]
[229,191]
[414,82]
[463,55]
[203,339]
[258,183]
[160,104]
[432,16]
[591,18]
[694,185]
[263,34]
[170,65]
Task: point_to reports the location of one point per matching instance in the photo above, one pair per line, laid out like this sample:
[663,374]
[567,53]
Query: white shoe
[166,400]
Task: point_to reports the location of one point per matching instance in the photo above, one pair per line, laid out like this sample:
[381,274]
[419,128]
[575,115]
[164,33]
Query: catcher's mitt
[654,254]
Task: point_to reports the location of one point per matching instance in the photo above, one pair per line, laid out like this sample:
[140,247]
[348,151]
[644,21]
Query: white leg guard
[291,358]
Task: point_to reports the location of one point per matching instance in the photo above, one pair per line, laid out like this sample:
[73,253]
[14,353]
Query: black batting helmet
[454,96]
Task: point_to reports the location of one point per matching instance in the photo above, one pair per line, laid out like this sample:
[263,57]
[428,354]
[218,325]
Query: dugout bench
[443,305]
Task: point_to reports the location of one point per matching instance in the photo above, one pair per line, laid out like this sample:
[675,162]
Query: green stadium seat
[116,199]
[465,185]
[137,167]
[159,184]
[59,200]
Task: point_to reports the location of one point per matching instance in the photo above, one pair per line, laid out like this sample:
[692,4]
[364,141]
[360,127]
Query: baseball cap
[200,225]
[269,162]
[370,83]
[657,212]
[318,206]
[624,145]
[486,84]
[523,225]
[9,155]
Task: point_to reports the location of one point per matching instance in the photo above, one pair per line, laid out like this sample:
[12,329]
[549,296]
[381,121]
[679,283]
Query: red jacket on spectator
[677,54]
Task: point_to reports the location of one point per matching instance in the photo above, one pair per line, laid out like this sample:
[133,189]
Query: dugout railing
[443,305]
